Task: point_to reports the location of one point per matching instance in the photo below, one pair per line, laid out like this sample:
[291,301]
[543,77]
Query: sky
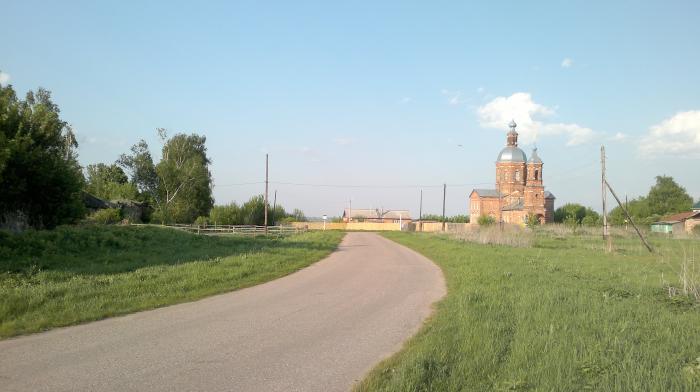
[368,102]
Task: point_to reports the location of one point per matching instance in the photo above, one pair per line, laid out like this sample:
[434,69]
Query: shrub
[201,221]
[532,221]
[107,216]
[486,220]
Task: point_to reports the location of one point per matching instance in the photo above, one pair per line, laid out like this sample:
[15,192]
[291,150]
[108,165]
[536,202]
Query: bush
[532,221]
[107,216]
[201,221]
[486,220]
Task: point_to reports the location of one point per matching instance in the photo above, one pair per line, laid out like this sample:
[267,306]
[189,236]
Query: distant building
[678,223]
[375,215]
[519,188]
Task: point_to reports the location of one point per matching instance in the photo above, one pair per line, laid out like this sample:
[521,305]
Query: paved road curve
[320,329]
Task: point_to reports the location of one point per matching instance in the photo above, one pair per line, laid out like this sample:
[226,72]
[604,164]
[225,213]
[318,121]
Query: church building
[519,188]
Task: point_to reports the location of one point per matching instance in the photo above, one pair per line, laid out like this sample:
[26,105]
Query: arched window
[537,174]
[517,175]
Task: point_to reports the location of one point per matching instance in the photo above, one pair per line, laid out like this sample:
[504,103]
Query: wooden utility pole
[444,193]
[266,187]
[420,212]
[603,184]
[274,208]
[629,218]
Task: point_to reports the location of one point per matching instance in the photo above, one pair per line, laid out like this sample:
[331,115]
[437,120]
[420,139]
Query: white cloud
[678,135]
[567,63]
[529,116]
[4,78]
[618,137]
[453,97]
[343,141]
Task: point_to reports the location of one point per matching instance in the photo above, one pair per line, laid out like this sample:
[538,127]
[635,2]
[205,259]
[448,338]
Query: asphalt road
[320,329]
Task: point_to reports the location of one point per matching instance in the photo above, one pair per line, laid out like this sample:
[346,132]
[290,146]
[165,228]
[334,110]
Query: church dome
[512,154]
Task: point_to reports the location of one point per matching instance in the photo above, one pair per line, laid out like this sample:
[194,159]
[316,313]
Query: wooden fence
[249,230]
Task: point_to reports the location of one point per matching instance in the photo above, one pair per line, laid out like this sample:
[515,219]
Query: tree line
[43,185]
[664,198]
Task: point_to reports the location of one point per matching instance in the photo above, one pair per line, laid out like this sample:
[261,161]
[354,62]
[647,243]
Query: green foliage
[106,216]
[229,214]
[592,220]
[80,273]
[201,221]
[109,183]
[453,219]
[298,215]
[180,185]
[486,220]
[561,316]
[142,171]
[185,184]
[575,214]
[252,212]
[40,177]
[532,221]
[667,197]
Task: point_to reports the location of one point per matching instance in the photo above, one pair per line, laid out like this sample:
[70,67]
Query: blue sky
[387,97]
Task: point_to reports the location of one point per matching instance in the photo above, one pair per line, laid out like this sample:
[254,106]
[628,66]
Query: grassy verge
[559,315]
[76,274]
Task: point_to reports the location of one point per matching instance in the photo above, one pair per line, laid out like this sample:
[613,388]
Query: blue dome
[512,154]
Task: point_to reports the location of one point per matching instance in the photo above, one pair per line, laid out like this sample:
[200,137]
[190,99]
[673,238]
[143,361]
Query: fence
[238,229]
[388,226]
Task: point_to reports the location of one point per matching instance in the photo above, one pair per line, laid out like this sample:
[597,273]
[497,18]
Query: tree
[180,185]
[664,198]
[184,180]
[667,197]
[253,211]
[41,181]
[109,182]
[142,171]
[575,214]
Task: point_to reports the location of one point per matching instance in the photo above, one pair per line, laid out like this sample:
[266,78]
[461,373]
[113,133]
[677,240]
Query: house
[677,223]
[376,215]
[519,189]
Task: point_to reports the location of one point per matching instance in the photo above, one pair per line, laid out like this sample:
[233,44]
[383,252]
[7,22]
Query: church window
[517,175]
[537,174]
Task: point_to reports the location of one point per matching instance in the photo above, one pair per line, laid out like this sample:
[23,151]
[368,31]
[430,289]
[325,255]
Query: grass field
[556,315]
[76,274]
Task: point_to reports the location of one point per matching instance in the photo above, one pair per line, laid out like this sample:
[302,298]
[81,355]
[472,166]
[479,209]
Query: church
[519,189]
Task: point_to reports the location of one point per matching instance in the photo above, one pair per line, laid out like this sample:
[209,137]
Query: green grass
[560,315]
[76,274]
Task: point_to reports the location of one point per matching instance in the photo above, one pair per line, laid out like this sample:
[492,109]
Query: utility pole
[266,186]
[639,233]
[420,212]
[604,193]
[444,193]
[350,211]
[274,208]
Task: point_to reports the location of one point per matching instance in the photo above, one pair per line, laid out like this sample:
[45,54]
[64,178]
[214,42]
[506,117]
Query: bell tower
[534,190]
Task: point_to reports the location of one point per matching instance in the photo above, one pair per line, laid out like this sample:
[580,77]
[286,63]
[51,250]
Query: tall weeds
[508,235]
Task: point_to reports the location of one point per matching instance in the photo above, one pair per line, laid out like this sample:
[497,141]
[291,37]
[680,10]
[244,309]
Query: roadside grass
[560,315]
[81,273]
